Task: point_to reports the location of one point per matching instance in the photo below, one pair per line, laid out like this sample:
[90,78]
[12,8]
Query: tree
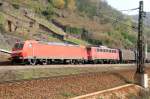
[71,4]
[58,3]
[87,7]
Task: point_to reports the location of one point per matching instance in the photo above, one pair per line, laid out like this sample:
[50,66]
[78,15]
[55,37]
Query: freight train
[36,52]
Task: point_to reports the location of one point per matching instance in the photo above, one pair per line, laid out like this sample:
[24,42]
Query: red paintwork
[22,52]
[35,49]
[94,54]
[50,51]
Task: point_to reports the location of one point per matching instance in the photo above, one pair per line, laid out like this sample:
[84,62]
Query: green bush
[95,42]
[16,6]
[131,38]
[48,12]
[87,7]
[74,30]
[60,4]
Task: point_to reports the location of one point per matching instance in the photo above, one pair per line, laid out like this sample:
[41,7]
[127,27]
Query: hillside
[146,27]
[81,22]
[146,20]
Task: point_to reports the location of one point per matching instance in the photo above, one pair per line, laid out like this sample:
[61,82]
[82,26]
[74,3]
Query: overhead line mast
[142,77]
[140,42]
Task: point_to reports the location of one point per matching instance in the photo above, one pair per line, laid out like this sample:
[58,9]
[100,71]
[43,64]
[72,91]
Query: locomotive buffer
[141,76]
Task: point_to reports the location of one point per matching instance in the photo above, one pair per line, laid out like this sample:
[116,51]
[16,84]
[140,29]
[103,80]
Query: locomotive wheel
[44,62]
[32,61]
[75,62]
[81,62]
[13,62]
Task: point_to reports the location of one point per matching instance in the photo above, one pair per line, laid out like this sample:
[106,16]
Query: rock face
[26,24]
[8,41]
[2,38]
[3,44]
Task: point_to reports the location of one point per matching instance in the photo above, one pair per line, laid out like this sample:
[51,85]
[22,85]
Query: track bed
[64,87]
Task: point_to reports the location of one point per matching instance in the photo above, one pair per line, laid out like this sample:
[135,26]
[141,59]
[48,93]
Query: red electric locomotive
[103,54]
[34,52]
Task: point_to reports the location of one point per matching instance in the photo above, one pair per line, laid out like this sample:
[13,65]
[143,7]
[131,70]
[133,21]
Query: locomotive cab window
[114,51]
[19,45]
[98,50]
[101,50]
[107,50]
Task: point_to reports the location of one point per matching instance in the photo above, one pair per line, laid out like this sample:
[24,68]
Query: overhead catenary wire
[133,27]
[130,9]
[117,20]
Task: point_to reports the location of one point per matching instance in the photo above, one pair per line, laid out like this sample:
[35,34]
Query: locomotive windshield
[19,45]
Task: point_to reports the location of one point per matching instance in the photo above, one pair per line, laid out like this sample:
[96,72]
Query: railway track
[115,66]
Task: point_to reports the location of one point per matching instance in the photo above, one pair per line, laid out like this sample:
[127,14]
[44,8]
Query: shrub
[58,3]
[16,6]
[87,7]
[95,42]
[70,4]
[74,30]
[48,12]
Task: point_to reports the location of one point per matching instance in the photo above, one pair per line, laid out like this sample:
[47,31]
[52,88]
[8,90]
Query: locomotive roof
[102,47]
[57,43]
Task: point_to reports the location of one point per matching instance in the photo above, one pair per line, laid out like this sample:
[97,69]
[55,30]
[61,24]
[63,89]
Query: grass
[52,39]
[39,73]
[76,41]
[1,18]
[68,94]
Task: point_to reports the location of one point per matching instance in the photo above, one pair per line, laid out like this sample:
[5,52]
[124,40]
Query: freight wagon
[127,56]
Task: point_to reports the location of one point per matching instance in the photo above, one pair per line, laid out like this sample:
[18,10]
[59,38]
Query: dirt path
[64,87]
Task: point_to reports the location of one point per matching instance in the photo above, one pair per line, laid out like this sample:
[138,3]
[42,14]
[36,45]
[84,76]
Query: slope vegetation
[75,21]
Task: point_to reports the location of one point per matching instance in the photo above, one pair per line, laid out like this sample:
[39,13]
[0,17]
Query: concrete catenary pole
[142,76]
